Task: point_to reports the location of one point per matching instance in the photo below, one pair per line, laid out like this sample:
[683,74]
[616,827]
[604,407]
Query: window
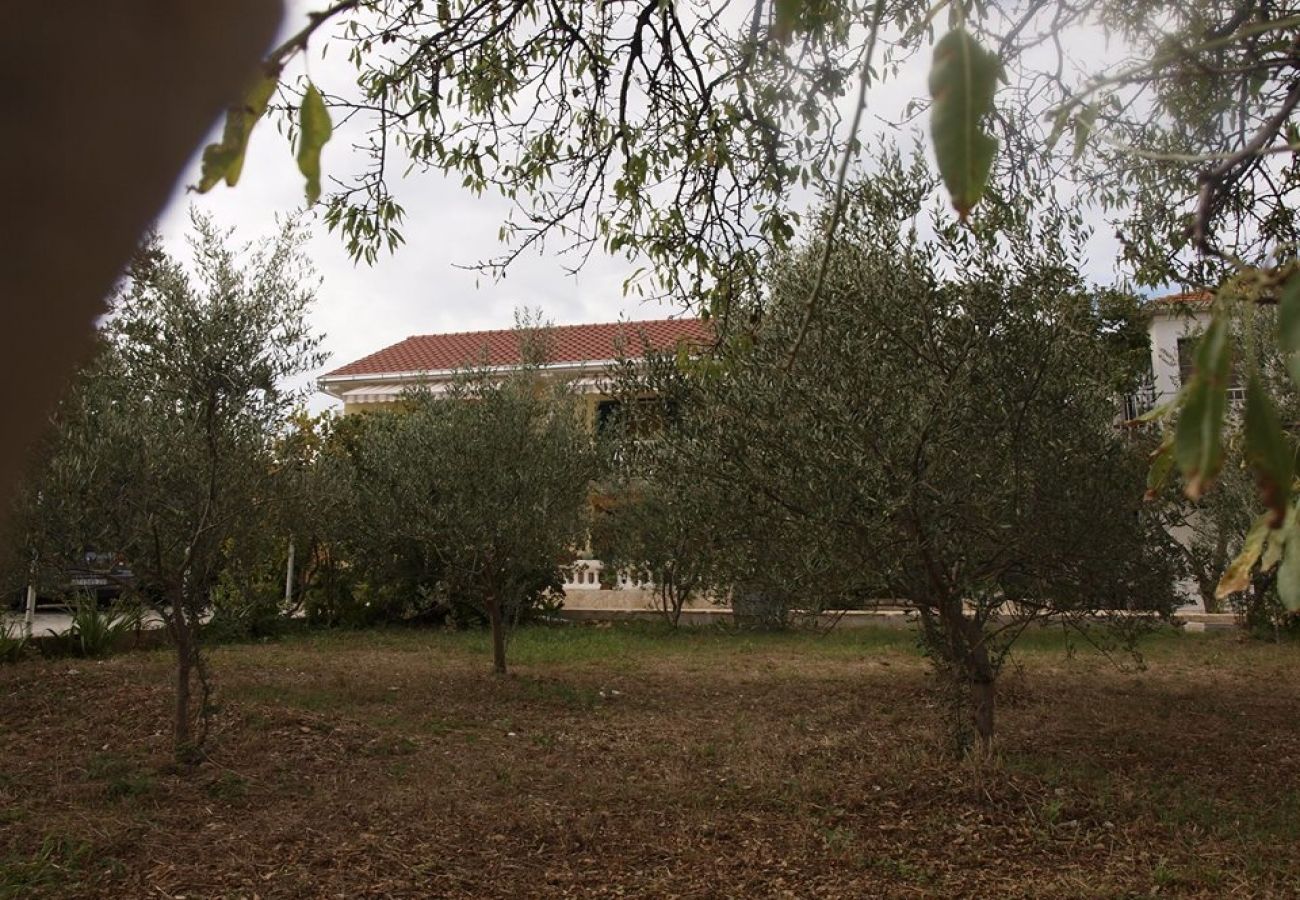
[648,417]
[1187,365]
[1186,358]
[606,410]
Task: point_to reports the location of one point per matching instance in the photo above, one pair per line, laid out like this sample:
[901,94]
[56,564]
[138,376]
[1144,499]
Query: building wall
[588,397]
[1166,329]
[1167,326]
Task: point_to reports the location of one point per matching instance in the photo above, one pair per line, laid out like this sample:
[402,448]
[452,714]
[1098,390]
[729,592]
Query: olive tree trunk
[496,620]
[982,677]
[183,743]
[957,644]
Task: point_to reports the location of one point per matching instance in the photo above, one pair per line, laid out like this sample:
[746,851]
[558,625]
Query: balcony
[589,575]
[1140,402]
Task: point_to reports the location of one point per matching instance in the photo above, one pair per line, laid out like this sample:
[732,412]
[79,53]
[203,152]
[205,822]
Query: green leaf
[224,160]
[1273,549]
[1237,576]
[1288,573]
[314,129]
[785,18]
[1198,436]
[1288,325]
[1162,463]
[963,79]
[1268,451]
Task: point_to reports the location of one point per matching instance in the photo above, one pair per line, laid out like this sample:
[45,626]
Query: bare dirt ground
[621,762]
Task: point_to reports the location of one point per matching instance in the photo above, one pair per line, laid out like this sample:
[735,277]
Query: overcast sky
[419,289]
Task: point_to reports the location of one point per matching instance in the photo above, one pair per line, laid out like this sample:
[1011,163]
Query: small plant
[395,746]
[127,786]
[1260,612]
[227,786]
[13,642]
[95,633]
[58,863]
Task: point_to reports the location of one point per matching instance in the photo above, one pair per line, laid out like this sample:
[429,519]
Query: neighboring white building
[1177,321]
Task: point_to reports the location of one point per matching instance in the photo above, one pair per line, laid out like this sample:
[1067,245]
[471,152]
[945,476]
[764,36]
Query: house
[1176,324]
[585,354]
[1177,320]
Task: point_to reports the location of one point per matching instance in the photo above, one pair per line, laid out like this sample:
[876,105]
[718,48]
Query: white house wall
[1167,326]
[1166,329]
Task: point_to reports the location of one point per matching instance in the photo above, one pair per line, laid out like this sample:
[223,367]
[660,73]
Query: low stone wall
[639,606]
[622,599]
[721,615]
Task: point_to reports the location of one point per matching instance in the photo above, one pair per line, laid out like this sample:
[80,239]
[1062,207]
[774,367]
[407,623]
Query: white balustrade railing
[585,575]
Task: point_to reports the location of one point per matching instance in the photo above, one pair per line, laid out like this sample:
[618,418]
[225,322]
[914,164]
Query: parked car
[105,576]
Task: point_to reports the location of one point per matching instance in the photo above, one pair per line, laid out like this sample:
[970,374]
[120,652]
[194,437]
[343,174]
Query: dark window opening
[648,415]
[1187,366]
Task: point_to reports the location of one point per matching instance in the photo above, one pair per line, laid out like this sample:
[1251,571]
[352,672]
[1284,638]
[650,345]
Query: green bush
[761,606]
[242,611]
[1260,611]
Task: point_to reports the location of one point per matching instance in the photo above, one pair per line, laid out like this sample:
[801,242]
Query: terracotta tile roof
[568,343]
[1184,297]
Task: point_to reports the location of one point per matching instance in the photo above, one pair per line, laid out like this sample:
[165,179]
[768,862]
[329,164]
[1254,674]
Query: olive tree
[488,481]
[948,438]
[681,135]
[162,452]
[368,497]
[659,522]
[515,464]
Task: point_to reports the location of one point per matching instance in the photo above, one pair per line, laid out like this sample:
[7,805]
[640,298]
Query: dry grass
[623,762]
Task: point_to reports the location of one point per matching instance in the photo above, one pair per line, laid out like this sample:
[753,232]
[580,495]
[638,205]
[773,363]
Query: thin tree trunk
[183,736]
[498,635]
[968,657]
[29,612]
[982,707]
[1210,601]
[982,689]
[288,577]
[670,600]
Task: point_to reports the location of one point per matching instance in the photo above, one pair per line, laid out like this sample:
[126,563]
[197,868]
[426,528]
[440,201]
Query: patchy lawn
[626,761]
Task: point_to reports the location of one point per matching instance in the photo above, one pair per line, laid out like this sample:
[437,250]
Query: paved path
[53,619]
[44,622]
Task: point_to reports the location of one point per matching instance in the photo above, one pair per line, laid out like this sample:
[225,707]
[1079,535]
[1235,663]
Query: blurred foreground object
[106,103]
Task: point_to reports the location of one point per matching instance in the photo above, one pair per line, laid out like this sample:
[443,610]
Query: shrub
[13,642]
[100,632]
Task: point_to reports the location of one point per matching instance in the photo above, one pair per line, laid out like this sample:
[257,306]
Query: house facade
[1176,322]
[584,355]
